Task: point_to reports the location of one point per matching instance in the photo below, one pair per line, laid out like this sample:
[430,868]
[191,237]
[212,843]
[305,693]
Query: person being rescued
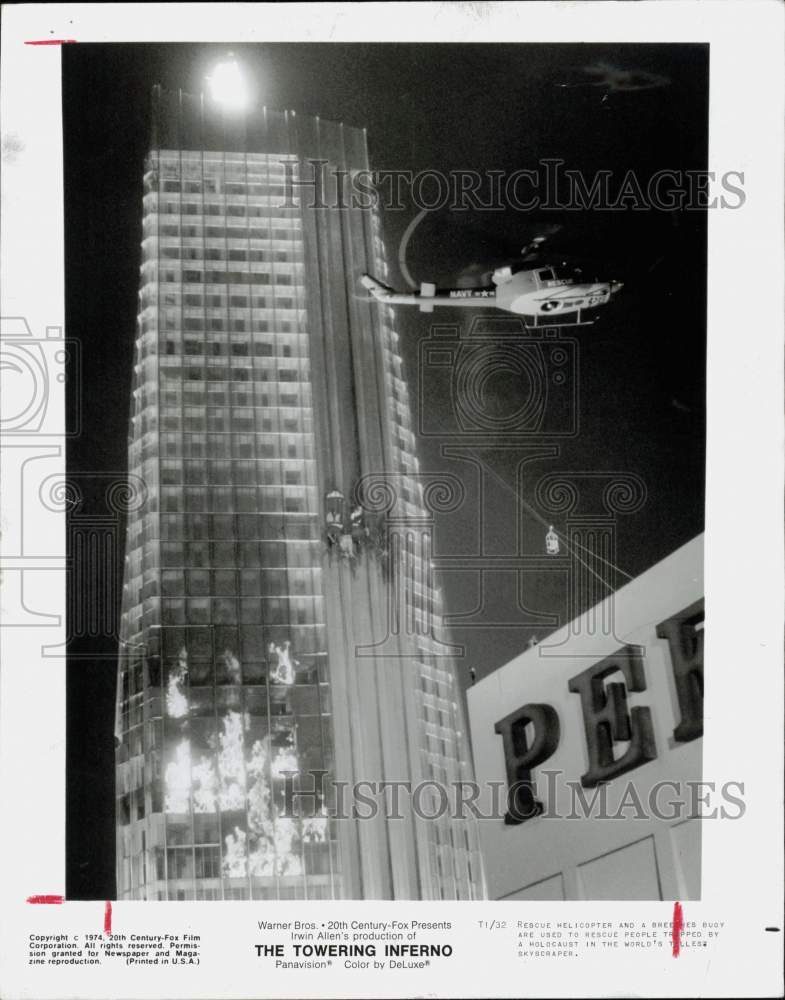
[552,542]
[334,517]
[359,529]
[334,528]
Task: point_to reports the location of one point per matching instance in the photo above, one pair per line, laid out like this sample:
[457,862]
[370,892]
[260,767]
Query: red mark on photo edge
[53,41]
[108,918]
[46,899]
[678,924]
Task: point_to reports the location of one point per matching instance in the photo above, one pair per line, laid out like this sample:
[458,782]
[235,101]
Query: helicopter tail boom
[427,297]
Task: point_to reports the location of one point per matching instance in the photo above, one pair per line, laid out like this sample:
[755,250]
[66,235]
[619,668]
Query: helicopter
[547,295]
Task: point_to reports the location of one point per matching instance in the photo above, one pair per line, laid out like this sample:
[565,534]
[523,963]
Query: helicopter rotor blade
[534,246]
[402,264]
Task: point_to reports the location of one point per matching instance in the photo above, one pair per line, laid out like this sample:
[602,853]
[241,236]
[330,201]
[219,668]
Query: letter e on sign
[607,720]
[684,633]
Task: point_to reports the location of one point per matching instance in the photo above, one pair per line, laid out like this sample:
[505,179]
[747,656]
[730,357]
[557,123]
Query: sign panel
[592,741]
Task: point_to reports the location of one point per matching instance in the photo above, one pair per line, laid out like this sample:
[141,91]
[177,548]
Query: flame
[261,860]
[178,779]
[259,789]
[276,840]
[235,855]
[185,778]
[231,765]
[176,702]
[286,861]
[284,760]
[232,665]
[205,786]
[315,830]
[283,671]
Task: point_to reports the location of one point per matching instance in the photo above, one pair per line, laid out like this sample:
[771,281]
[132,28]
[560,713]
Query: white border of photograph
[742,860]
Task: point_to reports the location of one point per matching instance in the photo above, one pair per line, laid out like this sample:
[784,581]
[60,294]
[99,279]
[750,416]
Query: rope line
[570,546]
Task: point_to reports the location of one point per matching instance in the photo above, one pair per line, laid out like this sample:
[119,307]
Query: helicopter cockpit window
[550,306]
[546,274]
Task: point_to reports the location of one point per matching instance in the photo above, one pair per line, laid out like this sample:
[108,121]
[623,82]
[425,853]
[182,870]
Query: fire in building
[280,617]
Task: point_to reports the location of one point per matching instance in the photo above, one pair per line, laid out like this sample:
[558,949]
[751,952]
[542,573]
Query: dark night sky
[445,107]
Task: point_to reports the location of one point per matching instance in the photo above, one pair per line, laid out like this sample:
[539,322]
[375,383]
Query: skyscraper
[279,639]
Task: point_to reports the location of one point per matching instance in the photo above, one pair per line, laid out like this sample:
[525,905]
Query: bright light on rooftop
[227,86]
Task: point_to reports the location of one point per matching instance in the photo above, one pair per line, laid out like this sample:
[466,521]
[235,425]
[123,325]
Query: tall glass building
[279,637]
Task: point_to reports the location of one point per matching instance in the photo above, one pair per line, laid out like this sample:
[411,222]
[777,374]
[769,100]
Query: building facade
[279,637]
